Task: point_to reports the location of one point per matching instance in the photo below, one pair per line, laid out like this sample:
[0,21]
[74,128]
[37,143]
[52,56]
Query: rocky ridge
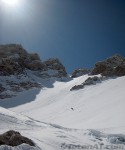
[111,67]
[18,69]
[89,81]
[80,72]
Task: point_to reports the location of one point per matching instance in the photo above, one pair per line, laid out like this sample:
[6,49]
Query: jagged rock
[55,64]
[18,70]
[29,85]
[77,87]
[4,95]
[92,80]
[120,70]
[34,57]
[1,88]
[14,59]
[17,87]
[80,72]
[35,65]
[113,66]
[13,138]
[88,81]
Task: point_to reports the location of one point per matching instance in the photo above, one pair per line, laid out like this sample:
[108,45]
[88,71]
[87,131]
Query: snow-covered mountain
[49,120]
[56,117]
[19,70]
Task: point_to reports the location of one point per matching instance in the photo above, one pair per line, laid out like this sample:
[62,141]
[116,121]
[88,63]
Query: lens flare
[10,2]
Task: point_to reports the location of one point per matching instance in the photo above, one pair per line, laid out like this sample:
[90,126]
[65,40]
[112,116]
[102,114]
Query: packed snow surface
[57,117]
[96,106]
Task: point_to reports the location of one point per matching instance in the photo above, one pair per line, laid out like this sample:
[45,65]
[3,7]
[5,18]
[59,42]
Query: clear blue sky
[78,32]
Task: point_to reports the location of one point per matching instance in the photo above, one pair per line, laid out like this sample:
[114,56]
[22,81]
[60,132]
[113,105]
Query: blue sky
[78,32]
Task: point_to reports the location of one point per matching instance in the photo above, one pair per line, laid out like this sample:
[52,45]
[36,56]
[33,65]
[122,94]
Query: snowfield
[94,107]
[57,118]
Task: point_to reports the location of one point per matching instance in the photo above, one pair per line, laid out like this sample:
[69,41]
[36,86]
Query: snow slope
[95,107]
[46,136]
[97,116]
[51,136]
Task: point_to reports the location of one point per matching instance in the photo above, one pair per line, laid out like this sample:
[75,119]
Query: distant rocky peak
[80,72]
[12,49]
[113,66]
[116,60]
[54,65]
[14,59]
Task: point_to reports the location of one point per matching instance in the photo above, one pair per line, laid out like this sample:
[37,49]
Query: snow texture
[56,117]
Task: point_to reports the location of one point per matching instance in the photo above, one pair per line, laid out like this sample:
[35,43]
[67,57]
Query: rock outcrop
[113,66]
[13,138]
[55,65]
[89,81]
[80,72]
[14,59]
[19,70]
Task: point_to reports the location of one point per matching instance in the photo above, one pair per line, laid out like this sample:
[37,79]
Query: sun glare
[10,2]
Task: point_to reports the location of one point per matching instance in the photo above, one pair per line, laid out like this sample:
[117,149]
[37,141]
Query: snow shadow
[49,83]
[30,95]
[20,99]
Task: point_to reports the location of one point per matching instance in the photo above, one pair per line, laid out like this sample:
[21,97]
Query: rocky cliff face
[80,72]
[14,59]
[15,65]
[20,70]
[113,66]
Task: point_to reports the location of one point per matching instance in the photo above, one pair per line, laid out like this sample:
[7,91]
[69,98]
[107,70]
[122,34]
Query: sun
[11,2]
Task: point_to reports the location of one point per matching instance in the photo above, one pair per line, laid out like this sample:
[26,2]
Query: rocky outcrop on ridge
[14,59]
[55,64]
[89,81]
[13,138]
[80,72]
[113,66]
[53,68]
[19,69]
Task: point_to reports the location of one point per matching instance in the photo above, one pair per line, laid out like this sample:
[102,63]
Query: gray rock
[80,72]
[120,70]
[77,87]
[14,59]
[13,138]
[55,64]
[29,85]
[1,88]
[92,80]
[113,66]
[17,63]
[89,81]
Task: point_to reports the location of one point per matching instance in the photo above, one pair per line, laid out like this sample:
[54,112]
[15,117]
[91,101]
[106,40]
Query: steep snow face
[94,107]
[93,115]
